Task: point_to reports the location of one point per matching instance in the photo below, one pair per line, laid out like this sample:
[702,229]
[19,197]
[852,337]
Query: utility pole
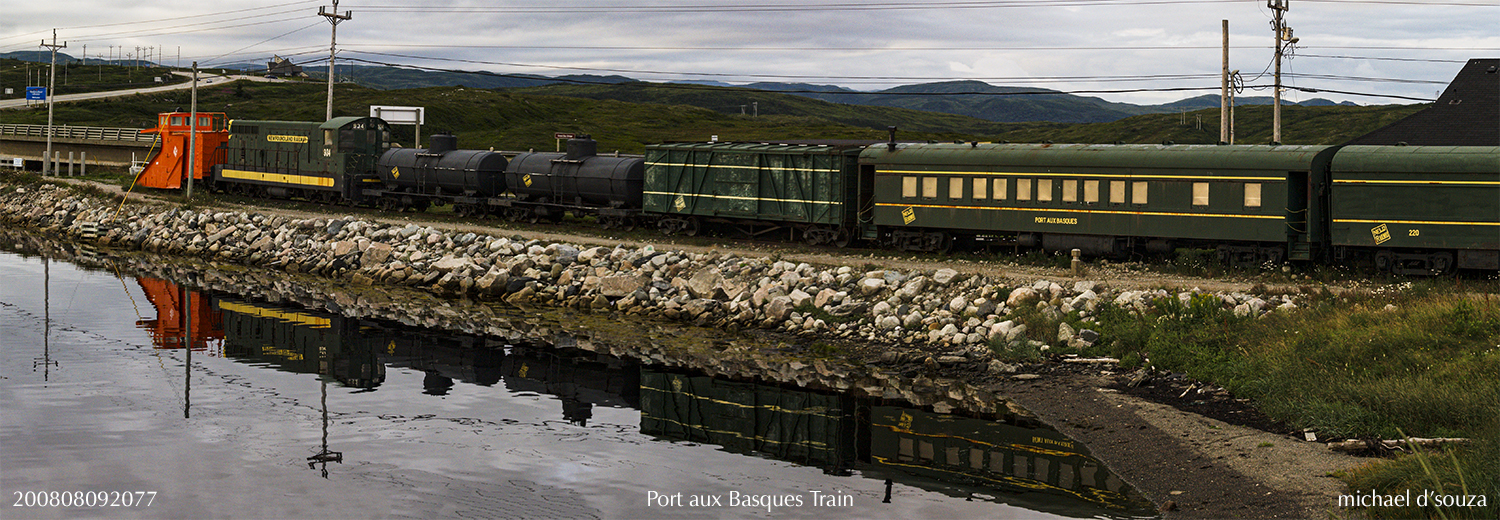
[192,135]
[51,95]
[1284,40]
[1224,90]
[333,19]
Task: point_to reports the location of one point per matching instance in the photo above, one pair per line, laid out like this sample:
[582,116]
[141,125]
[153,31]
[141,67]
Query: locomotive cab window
[909,187]
[1252,195]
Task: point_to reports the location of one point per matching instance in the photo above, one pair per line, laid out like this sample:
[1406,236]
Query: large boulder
[706,283]
[620,285]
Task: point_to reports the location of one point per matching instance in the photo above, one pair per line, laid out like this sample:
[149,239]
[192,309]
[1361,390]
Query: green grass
[1346,367]
[75,78]
[1472,469]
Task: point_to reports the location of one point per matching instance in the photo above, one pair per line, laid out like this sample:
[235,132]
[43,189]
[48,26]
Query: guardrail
[77,132]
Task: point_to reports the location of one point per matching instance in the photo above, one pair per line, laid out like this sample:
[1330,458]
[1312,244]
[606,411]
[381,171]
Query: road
[202,80]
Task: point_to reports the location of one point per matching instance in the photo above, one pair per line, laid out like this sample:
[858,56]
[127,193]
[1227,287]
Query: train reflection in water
[1012,459]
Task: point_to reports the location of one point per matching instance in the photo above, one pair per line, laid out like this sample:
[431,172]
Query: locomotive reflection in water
[1013,459]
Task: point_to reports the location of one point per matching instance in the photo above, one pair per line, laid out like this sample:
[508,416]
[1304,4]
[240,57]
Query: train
[1410,210]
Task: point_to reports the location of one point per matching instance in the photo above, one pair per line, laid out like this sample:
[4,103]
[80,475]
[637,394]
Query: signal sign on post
[36,93]
[559,136]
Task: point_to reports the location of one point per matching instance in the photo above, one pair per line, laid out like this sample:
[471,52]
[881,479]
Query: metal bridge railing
[77,132]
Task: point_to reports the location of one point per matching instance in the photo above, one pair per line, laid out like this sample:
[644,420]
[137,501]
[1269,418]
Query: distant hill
[1212,101]
[396,78]
[626,116]
[972,99]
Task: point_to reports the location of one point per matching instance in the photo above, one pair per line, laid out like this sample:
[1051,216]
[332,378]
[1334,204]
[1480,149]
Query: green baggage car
[810,190]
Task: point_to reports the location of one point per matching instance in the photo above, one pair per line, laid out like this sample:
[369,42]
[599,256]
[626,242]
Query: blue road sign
[36,93]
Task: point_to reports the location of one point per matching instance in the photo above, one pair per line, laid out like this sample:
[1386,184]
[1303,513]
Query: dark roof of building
[1467,114]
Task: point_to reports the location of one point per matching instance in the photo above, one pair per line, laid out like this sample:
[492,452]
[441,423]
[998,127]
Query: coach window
[1044,190]
[1138,195]
[929,187]
[1023,189]
[909,187]
[1200,194]
[1252,195]
[1117,192]
[1090,192]
[955,188]
[1042,470]
[1070,191]
[981,188]
[1000,192]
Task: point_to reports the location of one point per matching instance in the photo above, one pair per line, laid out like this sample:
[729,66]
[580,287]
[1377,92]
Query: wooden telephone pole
[333,19]
[51,95]
[1284,40]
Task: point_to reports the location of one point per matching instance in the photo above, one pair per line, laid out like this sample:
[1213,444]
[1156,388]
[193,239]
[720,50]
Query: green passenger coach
[811,188]
[317,161]
[1103,199]
[1415,209]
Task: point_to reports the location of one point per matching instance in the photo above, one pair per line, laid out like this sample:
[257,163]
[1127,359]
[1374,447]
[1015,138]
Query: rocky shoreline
[935,316]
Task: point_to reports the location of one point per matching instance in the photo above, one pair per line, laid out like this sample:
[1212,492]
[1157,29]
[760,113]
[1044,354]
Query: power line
[1429,60]
[189,17]
[800,7]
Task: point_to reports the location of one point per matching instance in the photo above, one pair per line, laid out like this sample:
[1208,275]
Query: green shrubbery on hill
[628,116]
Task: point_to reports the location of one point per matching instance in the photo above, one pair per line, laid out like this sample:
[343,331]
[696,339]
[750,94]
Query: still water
[283,412]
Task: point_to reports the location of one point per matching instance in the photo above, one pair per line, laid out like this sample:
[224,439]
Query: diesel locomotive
[1414,210]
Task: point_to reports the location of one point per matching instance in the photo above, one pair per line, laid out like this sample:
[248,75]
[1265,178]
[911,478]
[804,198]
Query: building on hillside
[280,67]
[1467,114]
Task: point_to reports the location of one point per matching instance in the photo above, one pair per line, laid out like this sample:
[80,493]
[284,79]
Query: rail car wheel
[694,227]
[515,214]
[1442,264]
[825,235]
[942,243]
[842,239]
[1384,261]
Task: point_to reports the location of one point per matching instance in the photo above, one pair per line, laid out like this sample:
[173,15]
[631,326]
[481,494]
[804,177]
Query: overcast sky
[1410,48]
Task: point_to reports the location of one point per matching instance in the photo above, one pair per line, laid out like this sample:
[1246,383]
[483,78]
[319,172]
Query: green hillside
[1299,125]
[626,117]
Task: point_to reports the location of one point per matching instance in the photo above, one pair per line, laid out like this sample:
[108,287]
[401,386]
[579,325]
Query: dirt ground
[1194,455]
